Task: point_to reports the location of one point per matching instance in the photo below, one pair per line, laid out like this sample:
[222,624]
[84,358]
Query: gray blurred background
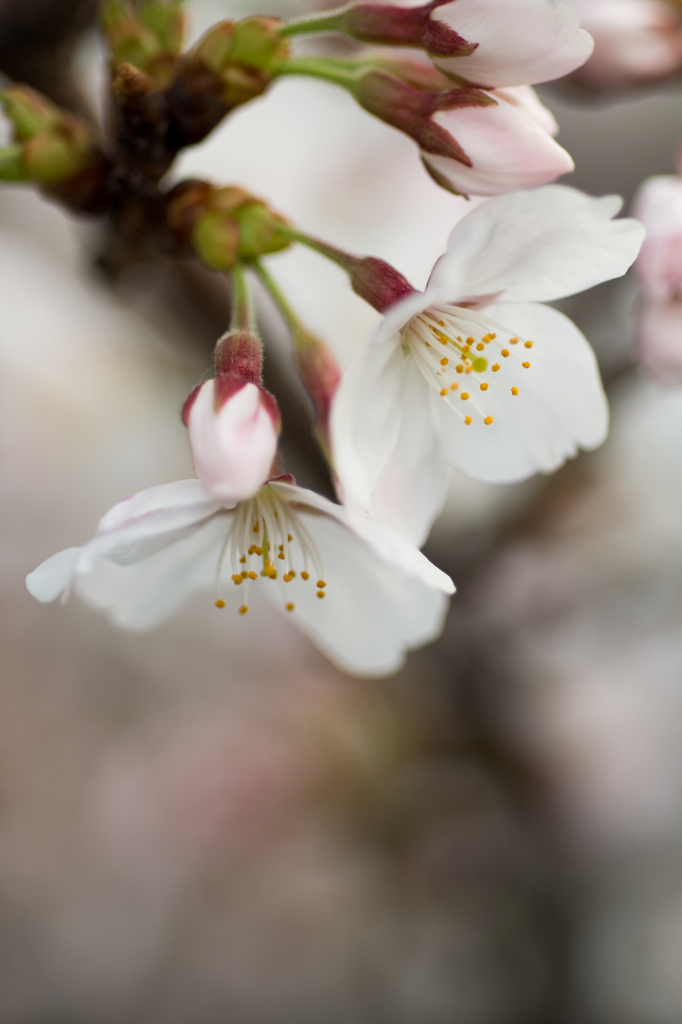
[200,826]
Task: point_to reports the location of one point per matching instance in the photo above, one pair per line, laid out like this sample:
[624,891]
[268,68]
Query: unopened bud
[234,427]
[258,43]
[320,374]
[147,35]
[223,225]
[52,146]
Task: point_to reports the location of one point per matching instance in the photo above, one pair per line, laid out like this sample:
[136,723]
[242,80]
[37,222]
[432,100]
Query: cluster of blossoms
[474,372]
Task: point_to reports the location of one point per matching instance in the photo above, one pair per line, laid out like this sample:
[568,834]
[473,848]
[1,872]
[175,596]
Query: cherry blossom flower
[361,592]
[474,372]
[658,204]
[636,41]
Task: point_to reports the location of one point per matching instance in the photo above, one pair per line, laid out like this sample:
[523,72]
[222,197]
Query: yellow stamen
[525,365]
[443,392]
[320,593]
[220,603]
[459,368]
[505,352]
[528,344]
[281,555]
[289,607]
[236,579]
[489,337]
[488,420]
[242,559]
[480,346]
[513,341]
[470,341]
[305,575]
[484,386]
[495,367]
[244,609]
[252,575]
[256,527]
[514,391]
[444,361]
[464,396]
[467,420]
[289,537]
[321,584]
[454,386]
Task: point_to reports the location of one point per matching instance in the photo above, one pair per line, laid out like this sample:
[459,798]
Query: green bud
[258,231]
[215,47]
[28,111]
[259,44]
[149,36]
[12,167]
[215,238]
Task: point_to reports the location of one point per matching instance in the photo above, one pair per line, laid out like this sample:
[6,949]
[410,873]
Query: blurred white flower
[449,377]
[636,41]
[153,550]
[658,204]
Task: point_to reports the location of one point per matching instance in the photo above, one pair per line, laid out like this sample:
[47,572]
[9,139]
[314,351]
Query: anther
[454,386]
[464,396]
[528,344]
[289,537]
[513,341]
[321,584]
[489,337]
[467,420]
[443,392]
[305,575]
[459,368]
[244,609]
[256,527]
[505,352]
[514,391]
[244,574]
[281,555]
[252,575]
[242,559]
[220,603]
[470,341]
[289,607]
[320,593]
[444,361]
[525,365]
[480,346]
[488,420]
[495,367]
[484,386]
[236,579]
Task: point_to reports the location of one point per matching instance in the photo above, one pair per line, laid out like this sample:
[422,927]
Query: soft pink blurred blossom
[636,41]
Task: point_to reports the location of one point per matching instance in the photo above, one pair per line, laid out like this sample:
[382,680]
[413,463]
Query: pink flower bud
[233,429]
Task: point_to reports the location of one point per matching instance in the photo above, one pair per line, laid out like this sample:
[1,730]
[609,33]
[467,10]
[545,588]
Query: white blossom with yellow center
[358,589]
[474,372]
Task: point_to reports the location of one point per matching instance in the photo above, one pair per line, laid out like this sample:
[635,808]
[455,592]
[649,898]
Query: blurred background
[198,826]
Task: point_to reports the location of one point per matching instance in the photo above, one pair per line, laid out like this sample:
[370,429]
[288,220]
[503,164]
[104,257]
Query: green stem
[345,73]
[242,311]
[328,21]
[330,252]
[296,328]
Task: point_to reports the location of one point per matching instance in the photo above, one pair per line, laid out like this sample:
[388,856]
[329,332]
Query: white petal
[660,341]
[411,489]
[149,521]
[372,613]
[560,407]
[140,595]
[520,41]
[536,246]
[53,578]
[233,448]
[365,417]
[526,99]
[508,150]
[658,204]
[385,542]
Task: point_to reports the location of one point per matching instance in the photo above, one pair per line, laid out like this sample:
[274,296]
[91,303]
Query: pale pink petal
[658,204]
[660,341]
[519,41]
[507,148]
[232,447]
[536,246]
[527,100]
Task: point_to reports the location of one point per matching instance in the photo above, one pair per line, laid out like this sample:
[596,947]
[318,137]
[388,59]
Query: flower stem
[345,73]
[242,308]
[328,21]
[299,334]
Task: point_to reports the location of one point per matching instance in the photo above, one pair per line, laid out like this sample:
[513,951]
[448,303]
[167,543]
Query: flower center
[267,539]
[460,353]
